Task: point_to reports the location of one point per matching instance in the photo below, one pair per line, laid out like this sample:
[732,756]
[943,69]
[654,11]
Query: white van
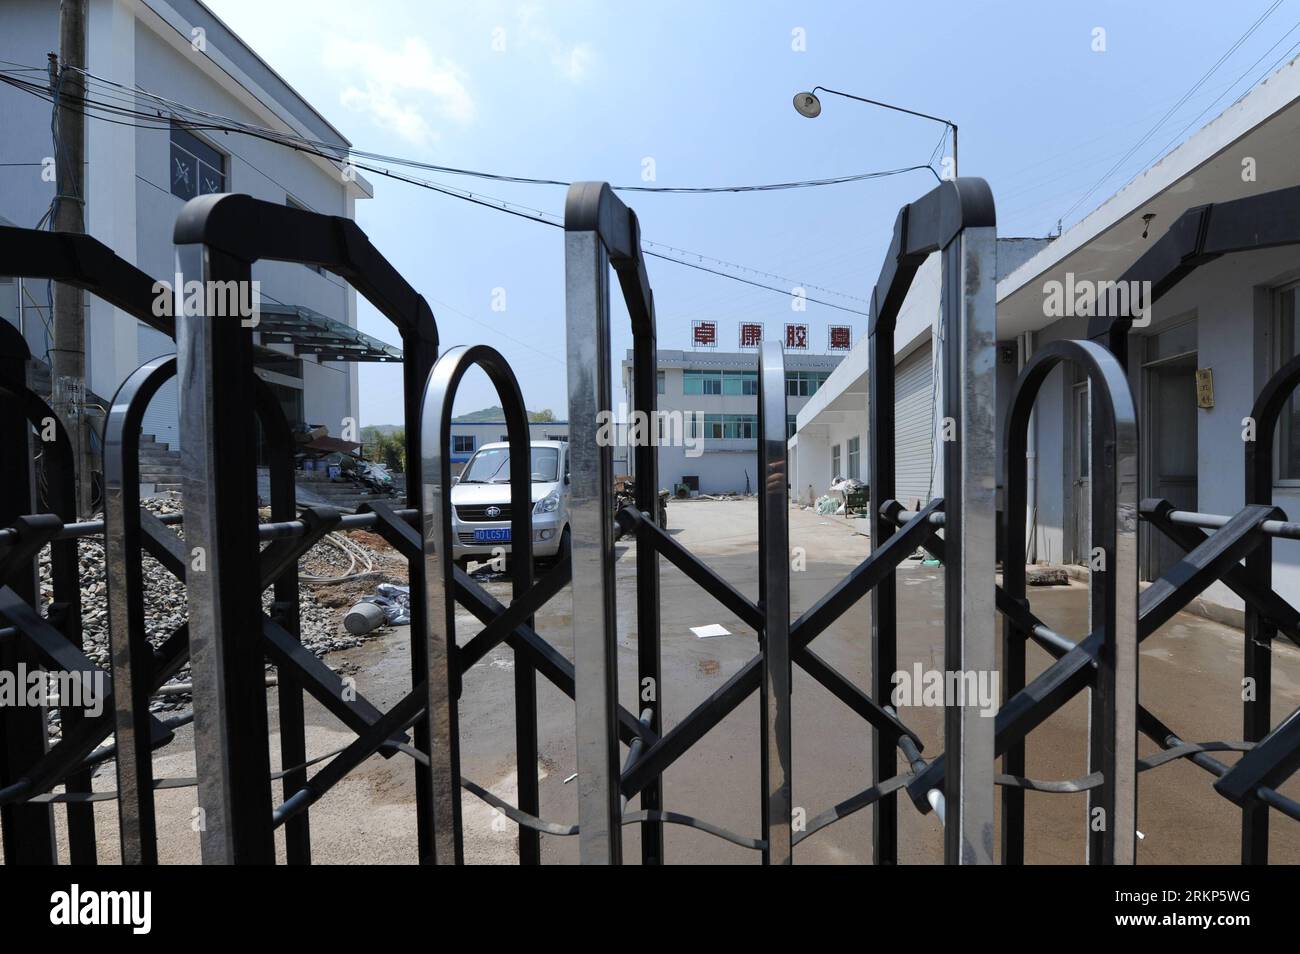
[480,503]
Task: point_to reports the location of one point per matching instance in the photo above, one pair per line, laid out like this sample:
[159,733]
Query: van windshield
[492,466]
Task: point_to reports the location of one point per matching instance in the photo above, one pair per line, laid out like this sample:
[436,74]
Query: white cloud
[575,62]
[402,88]
[572,60]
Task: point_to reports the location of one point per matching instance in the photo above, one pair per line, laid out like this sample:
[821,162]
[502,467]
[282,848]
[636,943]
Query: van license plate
[495,535]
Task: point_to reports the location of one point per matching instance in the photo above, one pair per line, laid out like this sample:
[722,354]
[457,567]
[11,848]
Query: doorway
[1080,483]
[1170,426]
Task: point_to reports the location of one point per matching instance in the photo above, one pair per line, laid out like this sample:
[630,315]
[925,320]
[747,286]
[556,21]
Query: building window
[790,425]
[720,382]
[731,426]
[660,377]
[743,382]
[855,458]
[835,462]
[701,382]
[462,443]
[804,383]
[196,168]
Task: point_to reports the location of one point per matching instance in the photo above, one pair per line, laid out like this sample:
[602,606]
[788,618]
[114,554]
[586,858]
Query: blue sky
[589,90]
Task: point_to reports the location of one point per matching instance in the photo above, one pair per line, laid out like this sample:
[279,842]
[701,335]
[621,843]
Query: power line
[333,148]
[90,106]
[1173,109]
[1233,84]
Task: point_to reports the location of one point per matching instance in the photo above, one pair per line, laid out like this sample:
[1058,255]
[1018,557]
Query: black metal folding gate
[228,558]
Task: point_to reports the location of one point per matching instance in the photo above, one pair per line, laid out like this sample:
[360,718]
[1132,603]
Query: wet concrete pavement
[1190,678]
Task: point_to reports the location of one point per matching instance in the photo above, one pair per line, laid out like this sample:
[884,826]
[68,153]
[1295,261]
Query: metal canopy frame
[1200,235]
[312,333]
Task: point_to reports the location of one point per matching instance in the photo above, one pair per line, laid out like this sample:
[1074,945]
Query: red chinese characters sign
[704,334]
[839,338]
[796,337]
[751,334]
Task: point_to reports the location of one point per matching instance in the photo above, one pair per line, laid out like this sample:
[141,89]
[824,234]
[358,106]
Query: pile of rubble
[321,606]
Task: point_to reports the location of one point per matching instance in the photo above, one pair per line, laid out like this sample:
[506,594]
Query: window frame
[178,130]
[1277,358]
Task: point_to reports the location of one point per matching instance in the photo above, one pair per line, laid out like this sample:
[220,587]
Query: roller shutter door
[914,426]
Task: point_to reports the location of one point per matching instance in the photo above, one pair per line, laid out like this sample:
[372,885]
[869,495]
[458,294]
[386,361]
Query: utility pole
[68,356]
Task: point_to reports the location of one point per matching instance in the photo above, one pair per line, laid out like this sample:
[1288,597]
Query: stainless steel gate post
[957,220]
[218,458]
[444,669]
[968,435]
[774,595]
[599,231]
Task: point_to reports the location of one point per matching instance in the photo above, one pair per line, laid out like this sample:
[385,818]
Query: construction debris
[321,607]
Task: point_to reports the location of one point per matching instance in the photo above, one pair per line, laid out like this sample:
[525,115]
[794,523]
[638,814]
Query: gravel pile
[321,613]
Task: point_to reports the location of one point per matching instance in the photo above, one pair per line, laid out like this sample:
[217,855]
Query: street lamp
[810,107]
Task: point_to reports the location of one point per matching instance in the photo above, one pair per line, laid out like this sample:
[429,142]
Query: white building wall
[722,465]
[129,205]
[1232,302]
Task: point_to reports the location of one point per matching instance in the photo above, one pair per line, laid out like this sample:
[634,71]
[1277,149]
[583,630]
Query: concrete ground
[1190,677]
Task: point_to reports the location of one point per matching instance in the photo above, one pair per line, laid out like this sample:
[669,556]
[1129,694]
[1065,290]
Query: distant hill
[494,413]
[497,413]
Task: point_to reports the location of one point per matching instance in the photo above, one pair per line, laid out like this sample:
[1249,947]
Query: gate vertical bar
[293,728]
[884,596]
[1013,638]
[1256,714]
[215,373]
[969,341]
[774,594]
[132,656]
[586,289]
[1112,808]
[27,829]
[419,352]
[645,393]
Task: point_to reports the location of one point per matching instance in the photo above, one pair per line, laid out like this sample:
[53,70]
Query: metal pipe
[637,747]
[274,530]
[914,760]
[1285,529]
